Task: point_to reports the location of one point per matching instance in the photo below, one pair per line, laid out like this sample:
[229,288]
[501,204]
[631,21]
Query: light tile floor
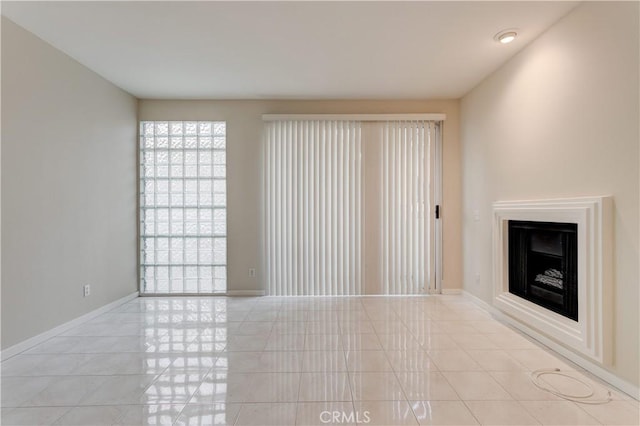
[243,361]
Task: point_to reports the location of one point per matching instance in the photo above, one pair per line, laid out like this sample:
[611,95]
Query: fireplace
[543,265]
[553,271]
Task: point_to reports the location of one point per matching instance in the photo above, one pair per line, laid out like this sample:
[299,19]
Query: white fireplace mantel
[591,334]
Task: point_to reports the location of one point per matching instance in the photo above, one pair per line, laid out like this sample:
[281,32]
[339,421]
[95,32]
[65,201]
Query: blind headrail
[356,117]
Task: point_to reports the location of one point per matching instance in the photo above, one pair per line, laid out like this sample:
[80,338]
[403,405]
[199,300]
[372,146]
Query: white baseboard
[609,377]
[35,340]
[245,293]
[232,293]
[262,293]
[449,291]
[481,303]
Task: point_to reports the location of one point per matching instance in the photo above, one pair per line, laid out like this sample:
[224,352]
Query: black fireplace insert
[543,264]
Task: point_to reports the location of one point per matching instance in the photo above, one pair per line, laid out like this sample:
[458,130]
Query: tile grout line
[346,360]
[304,344]
[395,373]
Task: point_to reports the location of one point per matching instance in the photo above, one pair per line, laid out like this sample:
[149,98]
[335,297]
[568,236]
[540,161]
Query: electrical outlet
[252,272]
[87,290]
[478,278]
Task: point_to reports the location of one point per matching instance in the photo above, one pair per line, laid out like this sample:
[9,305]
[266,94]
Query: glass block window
[183,207]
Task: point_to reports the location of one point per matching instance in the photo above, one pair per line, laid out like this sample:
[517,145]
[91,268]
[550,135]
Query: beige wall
[244,127]
[68,188]
[561,120]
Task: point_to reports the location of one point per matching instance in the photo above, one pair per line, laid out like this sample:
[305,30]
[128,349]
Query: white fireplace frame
[591,335]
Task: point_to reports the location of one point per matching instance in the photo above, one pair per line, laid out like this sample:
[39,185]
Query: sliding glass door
[404,225]
[183,226]
[349,206]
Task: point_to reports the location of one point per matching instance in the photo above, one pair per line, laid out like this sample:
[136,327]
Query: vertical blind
[315,210]
[404,183]
[313,207]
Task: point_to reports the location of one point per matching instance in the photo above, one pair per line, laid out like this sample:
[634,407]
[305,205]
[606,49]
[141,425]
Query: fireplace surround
[587,330]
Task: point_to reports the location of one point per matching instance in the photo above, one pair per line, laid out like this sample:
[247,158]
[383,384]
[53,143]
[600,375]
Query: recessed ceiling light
[506,36]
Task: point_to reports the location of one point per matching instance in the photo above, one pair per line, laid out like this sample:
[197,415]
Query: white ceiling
[311,50]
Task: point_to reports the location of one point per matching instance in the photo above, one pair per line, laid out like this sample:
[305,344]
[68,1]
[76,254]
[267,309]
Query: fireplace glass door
[543,265]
